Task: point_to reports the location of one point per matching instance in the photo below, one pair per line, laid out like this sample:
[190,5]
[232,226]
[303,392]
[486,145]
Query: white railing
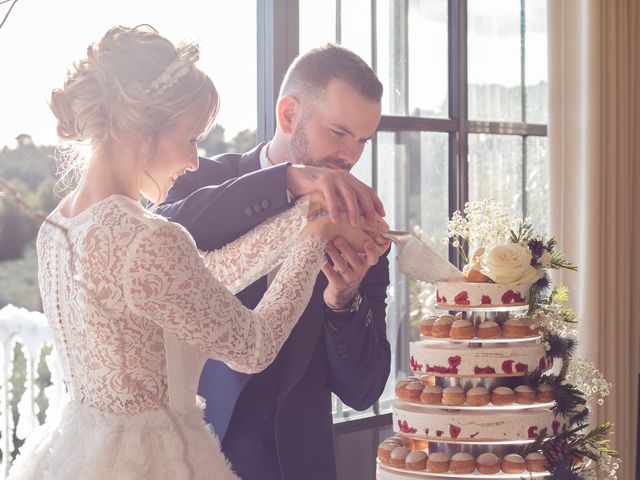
[31,331]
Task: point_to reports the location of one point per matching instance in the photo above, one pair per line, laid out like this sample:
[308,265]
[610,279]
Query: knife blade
[418,260]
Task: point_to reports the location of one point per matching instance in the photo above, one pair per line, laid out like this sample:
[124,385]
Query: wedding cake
[486,399]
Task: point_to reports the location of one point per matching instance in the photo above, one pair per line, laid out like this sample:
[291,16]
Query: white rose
[509,263]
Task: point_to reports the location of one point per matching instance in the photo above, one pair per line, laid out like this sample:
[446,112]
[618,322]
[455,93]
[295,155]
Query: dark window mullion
[374,65]
[278,44]
[394,123]
[458,142]
[507,128]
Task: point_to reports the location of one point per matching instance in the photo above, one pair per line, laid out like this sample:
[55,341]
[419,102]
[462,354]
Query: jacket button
[265,204]
[342,348]
[248,211]
[260,445]
[257,207]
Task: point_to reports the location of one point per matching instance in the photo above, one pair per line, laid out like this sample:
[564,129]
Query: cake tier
[467,294]
[385,472]
[462,426]
[460,360]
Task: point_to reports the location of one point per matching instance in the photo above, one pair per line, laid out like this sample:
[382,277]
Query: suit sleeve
[217,206]
[359,353]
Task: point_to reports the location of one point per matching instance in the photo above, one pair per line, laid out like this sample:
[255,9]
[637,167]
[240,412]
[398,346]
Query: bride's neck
[104,176]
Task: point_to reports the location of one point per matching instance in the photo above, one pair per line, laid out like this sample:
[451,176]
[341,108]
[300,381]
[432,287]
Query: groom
[278,424]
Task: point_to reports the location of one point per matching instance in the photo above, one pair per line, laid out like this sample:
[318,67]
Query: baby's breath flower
[588,379]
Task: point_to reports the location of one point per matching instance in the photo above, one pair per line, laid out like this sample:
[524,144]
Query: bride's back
[113,358]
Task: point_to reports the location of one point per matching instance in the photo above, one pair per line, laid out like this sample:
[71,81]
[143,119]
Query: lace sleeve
[167,281]
[250,257]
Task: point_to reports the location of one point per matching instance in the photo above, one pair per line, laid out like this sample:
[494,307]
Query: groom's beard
[299,150]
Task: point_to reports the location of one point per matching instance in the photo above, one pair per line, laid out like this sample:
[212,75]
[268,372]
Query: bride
[134,306]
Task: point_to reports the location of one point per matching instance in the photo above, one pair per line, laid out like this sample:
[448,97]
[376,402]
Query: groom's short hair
[311,72]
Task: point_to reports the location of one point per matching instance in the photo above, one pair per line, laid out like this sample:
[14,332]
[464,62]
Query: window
[464,118]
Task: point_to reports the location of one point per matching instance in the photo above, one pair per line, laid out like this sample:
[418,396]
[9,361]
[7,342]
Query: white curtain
[594,150]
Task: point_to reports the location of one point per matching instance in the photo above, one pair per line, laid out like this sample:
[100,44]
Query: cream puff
[420,444]
[431,395]
[385,448]
[398,456]
[412,391]
[545,393]
[511,463]
[462,462]
[462,330]
[426,324]
[478,396]
[402,384]
[514,328]
[438,462]
[403,441]
[488,330]
[536,462]
[488,463]
[442,326]
[453,396]
[525,395]
[416,460]
[502,396]
[428,380]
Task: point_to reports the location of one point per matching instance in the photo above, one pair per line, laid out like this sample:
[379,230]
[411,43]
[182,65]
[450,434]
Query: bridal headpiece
[187,56]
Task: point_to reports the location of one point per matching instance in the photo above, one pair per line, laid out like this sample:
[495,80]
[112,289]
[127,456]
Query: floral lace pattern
[123,279]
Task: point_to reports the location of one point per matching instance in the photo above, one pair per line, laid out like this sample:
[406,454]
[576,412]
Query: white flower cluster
[588,379]
[550,319]
[484,223]
[606,467]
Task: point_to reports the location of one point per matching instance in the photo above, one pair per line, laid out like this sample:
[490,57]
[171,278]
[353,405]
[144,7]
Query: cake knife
[418,260]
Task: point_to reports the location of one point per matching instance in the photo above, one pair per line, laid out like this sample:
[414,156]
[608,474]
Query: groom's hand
[348,269]
[341,190]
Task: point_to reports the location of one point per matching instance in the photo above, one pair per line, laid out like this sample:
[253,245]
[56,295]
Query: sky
[42,39]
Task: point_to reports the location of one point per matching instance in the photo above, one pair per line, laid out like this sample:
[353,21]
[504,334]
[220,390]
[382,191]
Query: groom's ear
[288,112]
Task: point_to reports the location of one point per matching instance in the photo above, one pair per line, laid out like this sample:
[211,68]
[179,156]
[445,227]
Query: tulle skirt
[85,443]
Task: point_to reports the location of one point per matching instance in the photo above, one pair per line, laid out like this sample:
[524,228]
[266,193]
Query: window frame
[278,43]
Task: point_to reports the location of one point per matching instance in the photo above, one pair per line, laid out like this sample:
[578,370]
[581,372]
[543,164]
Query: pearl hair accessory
[187,56]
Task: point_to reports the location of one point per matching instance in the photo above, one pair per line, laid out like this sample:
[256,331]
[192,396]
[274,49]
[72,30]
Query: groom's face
[333,129]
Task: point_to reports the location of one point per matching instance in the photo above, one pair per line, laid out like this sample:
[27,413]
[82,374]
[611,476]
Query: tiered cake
[483,400]
[466,407]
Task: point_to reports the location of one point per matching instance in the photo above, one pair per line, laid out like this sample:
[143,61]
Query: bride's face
[175,154]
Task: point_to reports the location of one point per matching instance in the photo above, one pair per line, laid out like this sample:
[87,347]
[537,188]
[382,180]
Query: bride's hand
[320,223]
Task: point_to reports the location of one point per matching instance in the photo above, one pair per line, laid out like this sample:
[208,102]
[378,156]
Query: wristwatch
[351,307]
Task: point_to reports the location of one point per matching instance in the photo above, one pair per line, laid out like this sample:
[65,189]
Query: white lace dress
[136,310]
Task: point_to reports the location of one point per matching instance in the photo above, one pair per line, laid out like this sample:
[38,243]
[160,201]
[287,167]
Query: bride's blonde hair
[128,88]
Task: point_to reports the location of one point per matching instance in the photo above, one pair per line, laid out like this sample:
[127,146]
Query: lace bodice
[124,286]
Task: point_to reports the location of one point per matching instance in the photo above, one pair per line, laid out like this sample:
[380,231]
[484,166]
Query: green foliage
[215,143]
[19,281]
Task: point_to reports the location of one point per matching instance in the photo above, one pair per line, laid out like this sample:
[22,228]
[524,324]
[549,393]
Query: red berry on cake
[507,366]
[521,367]
[507,297]
[532,432]
[462,298]
[486,300]
[454,431]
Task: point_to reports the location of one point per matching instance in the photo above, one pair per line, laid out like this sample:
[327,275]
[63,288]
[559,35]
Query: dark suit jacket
[286,409]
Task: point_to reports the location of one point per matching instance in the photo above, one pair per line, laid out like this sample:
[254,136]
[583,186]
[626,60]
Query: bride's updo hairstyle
[132,85]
